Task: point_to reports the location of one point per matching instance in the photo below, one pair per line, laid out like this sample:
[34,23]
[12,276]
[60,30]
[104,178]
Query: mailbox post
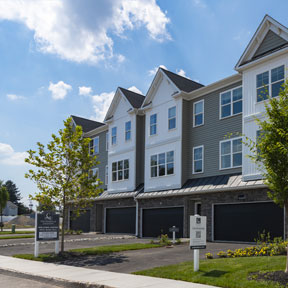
[174,229]
[197,237]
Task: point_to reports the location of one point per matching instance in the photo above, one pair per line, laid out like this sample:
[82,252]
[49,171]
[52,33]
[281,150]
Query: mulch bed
[279,277]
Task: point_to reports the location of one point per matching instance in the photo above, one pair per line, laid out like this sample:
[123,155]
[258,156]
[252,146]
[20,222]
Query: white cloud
[135,89]
[182,73]
[59,90]
[153,71]
[101,104]
[14,97]
[199,4]
[82,31]
[9,157]
[83,90]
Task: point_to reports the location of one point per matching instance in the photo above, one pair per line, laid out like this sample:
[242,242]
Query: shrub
[222,254]
[209,256]
[163,240]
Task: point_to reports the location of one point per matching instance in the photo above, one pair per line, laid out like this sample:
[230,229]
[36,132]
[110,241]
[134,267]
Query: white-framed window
[198,159]
[231,102]
[153,124]
[114,136]
[94,146]
[128,130]
[198,113]
[172,118]
[94,172]
[120,170]
[269,83]
[107,141]
[106,175]
[162,164]
[231,153]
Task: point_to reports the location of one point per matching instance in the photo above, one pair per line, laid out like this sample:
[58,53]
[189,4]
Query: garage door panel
[243,222]
[121,220]
[158,221]
[80,223]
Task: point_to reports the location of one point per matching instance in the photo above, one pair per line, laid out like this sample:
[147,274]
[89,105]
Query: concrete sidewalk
[101,279]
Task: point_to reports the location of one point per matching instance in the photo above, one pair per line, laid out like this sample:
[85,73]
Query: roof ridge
[121,88]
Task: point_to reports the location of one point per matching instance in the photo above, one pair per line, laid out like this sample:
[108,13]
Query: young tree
[64,174]
[270,150]
[4,197]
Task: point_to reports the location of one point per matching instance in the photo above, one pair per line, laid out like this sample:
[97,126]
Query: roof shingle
[134,98]
[86,124]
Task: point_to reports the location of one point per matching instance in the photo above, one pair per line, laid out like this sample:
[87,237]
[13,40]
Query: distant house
[11,209]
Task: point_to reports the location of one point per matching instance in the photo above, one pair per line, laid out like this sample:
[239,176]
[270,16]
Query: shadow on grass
[215,273]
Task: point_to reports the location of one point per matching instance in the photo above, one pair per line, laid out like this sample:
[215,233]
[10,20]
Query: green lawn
[16,232]
[100,250]
[16,237]
[228,272]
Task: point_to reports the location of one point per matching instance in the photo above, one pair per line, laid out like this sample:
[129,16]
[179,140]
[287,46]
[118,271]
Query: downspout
[137,213]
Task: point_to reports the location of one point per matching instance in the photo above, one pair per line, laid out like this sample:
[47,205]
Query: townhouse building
[178,151]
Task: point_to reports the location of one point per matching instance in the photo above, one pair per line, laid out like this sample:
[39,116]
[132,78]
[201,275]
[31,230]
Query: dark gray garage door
[242,222]
[121,220]
[158,221]
[80,223]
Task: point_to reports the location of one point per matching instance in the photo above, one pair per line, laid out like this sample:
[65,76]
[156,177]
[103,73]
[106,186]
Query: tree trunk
[286,211]
[63,228]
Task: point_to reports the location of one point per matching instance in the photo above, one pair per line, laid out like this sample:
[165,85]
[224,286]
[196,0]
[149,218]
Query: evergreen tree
[14,193]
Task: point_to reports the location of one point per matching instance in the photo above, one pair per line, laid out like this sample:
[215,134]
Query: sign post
[197,237]
[47,229]
[174,229]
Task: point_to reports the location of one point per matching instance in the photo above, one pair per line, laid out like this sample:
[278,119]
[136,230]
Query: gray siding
[140,149]
[270,42]
[209,135]
[102,157]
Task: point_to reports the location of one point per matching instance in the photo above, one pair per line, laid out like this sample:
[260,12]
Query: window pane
[172,123]
[120,175]
[198,119]
[237,107]
[226,98]
[170,168]
[198,154]
[237,159]
[126,174]
[198,166]
[172,112]
[128,135]
[225,161]
[262,94]
[237,94]
[162,158]
[153,130]
[114,130]
[262,79]
[128,125]
[126,164]
[226,111]
[198,107]
[114,176]
[277,73]
[120,165]
[237,145]
[153,171]
[161,170]
[276,87]
[114,166]
[153,119]
[153,160]
[170,156]
[225,148]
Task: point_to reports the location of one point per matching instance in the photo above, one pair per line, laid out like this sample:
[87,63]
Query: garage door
[242,222]
[158,221]
[121,220]
[80,223]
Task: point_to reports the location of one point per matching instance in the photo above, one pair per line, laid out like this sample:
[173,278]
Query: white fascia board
[212,87]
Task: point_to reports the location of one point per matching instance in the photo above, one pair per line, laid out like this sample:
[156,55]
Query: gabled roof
[135,99]
[182,83]
[269,37]
[86,124]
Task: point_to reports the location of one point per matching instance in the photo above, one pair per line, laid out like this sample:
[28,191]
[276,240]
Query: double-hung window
[94,172]
[114,136]
[231,153]
[269,83]
[127,130]
[198,157]
[198,113]
[120,170]
[153,124]
[94,146]
[231,102]
[172,118]
[162,164]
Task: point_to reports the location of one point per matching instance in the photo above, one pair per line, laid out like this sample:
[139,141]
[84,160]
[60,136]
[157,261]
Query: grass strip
[16,237]
[74,253]
[228,272]
[16,232]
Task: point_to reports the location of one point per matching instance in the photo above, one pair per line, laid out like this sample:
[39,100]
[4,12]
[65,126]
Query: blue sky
[48,49]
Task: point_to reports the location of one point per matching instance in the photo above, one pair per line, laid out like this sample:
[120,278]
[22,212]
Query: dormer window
[114,135]
[127,130]
[153,124]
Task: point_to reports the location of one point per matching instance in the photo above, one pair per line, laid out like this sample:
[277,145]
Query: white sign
[197,232]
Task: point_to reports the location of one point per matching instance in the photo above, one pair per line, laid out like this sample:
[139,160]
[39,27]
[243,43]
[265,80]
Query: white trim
[94,152]
[117,170]
[113,144]
[106,175]
[126,131]
[195,207]
[231,153]
[194,104]
[165,164]
[96,131]
[202,171]
[154,124]
[175,117]
[231,103]
[107,141]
